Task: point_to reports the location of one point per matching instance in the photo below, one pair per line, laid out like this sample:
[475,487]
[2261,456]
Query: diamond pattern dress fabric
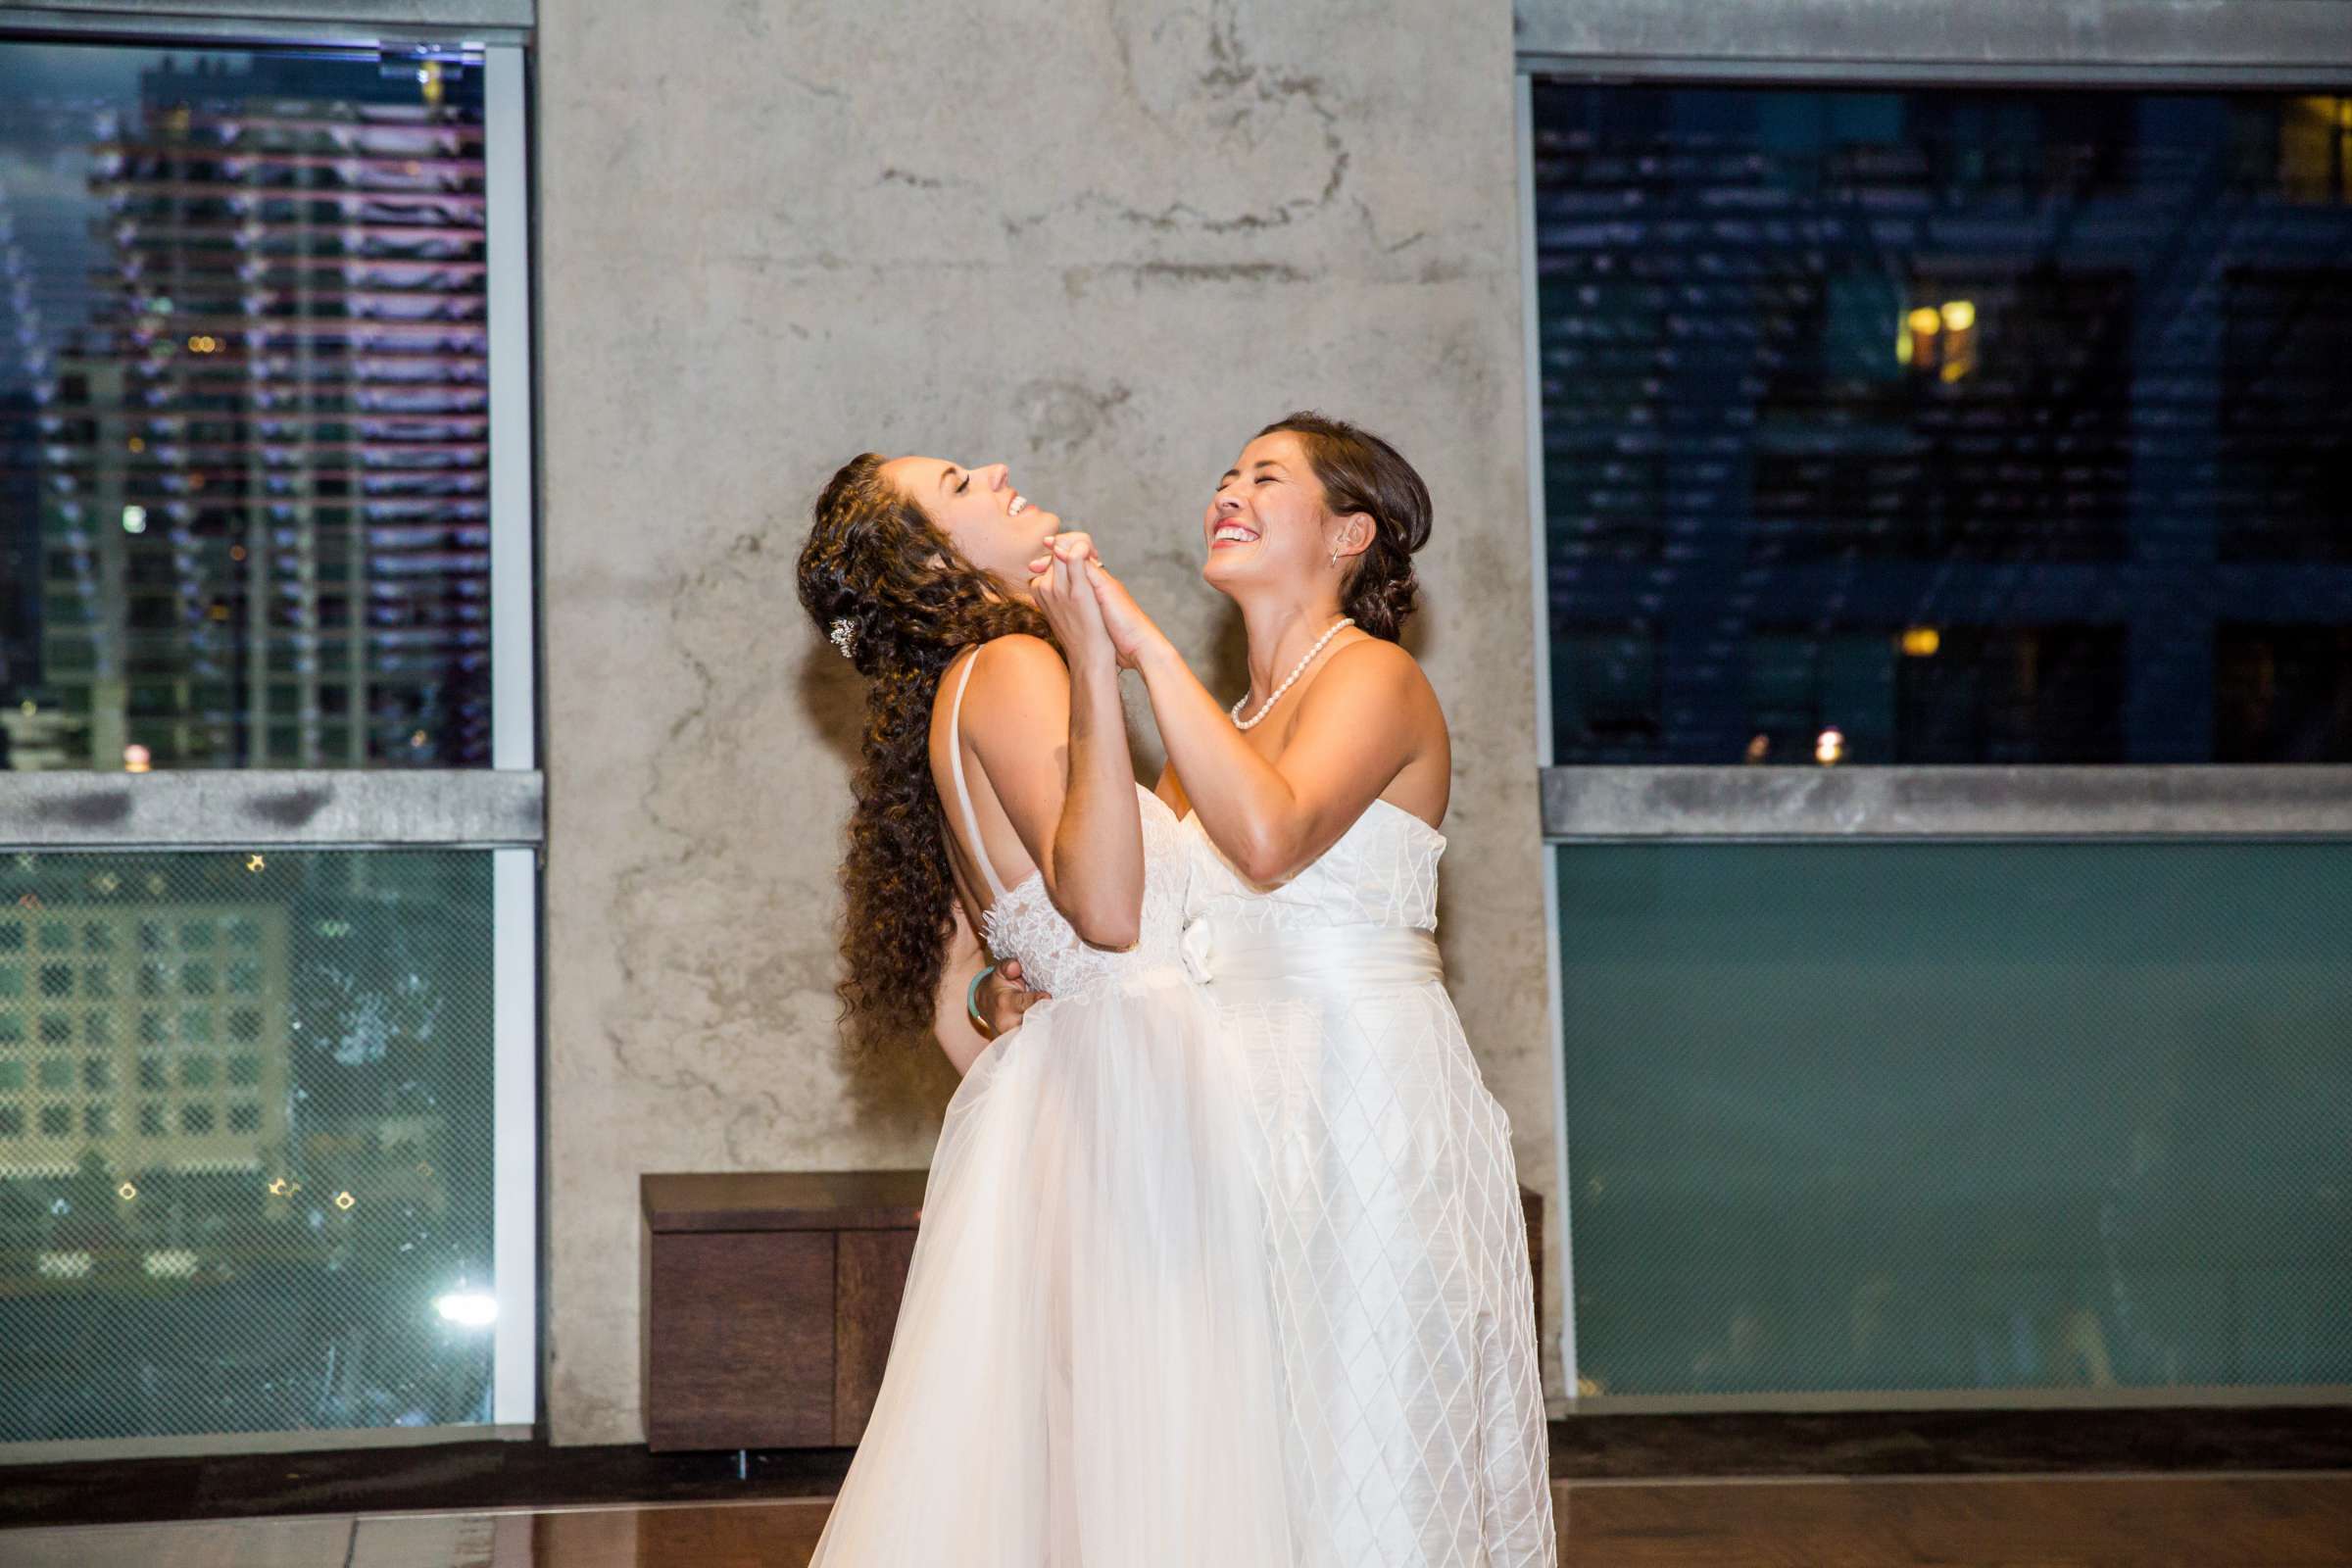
[1403,1297]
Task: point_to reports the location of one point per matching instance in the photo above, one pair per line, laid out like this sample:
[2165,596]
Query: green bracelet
[971,1003]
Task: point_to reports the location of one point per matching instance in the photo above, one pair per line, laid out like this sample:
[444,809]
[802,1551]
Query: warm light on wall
[1921,642]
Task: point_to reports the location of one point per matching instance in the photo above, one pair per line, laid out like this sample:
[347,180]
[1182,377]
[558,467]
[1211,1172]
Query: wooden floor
[2081,1521]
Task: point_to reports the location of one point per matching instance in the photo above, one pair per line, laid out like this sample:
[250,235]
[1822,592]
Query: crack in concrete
[635,878]
[1230,73]
[1076,280]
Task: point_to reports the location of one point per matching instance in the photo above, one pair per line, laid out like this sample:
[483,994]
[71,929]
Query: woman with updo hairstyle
[1084,1366]
[1361,473]
[1396,1244]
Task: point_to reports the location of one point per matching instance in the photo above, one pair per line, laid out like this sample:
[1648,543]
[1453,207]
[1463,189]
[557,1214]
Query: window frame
[2124,45]
[499,810]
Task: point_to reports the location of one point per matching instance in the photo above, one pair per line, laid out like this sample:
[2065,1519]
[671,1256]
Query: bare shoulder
[1015,662]
[1018,653]
[1373,666]
[1372,687]
[1017,675]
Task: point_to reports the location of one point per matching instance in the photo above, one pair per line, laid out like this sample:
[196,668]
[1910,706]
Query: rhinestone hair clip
[845,637]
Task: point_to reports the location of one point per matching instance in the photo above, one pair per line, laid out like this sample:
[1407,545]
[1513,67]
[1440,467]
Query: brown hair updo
[1362,472]
[876,561]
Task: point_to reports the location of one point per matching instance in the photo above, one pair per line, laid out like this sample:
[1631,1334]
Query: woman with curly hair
[1084,1370]
[1395,1246]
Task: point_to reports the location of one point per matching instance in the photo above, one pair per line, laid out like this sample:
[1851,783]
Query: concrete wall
[1103,240]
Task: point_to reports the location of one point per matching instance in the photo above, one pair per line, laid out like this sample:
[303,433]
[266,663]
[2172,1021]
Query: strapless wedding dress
[1414,1429]
[1083,1372]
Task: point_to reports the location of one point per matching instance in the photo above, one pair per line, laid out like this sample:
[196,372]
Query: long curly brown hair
[876,565]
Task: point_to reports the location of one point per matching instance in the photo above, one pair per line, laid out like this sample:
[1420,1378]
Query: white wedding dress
[1414,1431]
[1222,1276]
[1084,1373]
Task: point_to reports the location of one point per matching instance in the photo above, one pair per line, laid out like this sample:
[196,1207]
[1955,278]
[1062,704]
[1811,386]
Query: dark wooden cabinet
[767,1302]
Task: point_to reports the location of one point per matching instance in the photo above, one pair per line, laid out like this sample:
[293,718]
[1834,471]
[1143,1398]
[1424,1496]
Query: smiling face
[1269,523]
[989,522]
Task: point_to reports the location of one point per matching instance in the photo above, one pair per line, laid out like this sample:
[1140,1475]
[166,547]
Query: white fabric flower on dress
[1193,945]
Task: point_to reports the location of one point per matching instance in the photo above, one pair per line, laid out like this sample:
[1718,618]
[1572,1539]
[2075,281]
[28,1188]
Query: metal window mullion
[514,742]
[255,809]
[506,151]
[1532,352]
[2148,43]
[1980,803]
[1668,70]
[514,1136]
[261,22]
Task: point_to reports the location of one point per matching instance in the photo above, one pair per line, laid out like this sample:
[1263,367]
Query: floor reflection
[2088,1521]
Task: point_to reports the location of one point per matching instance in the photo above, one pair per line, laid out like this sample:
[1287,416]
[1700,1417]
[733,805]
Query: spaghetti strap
[964,796]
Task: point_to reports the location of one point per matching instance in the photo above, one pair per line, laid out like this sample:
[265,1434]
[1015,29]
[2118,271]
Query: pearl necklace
[1296,671]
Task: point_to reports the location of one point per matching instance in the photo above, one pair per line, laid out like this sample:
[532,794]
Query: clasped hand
[1090,611]
[1003,995]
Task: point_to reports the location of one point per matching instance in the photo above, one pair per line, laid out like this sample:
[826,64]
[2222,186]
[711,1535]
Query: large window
[268,899]
[244,410]
[1947,426]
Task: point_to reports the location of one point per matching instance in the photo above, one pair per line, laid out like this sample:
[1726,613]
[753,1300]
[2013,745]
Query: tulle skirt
[1085,1372]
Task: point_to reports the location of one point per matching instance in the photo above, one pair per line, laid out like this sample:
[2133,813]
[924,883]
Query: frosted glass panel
[246,1143]
[1848,1118]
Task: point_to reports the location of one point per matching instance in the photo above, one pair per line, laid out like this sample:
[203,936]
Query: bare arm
[1099,844]
[948,1020]
[1358,729]
[1362,720]
[1074,806]
[1001,996]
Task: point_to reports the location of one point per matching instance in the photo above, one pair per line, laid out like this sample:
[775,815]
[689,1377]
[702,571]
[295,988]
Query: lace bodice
[1022,923]
[1382,872]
